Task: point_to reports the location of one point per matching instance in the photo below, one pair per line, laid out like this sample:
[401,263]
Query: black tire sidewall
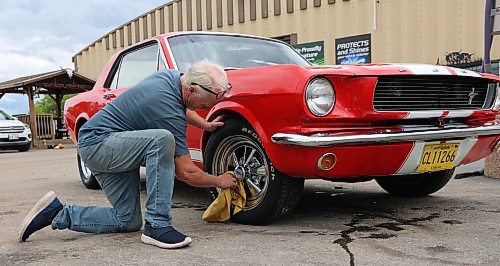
[416,185]
[25,147]
[266,209]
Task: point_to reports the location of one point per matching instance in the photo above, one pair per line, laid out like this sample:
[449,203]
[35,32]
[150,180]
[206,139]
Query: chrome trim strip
[169,50]
[327,141]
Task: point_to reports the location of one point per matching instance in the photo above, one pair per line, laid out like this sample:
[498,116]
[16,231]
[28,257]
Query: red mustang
[406,126]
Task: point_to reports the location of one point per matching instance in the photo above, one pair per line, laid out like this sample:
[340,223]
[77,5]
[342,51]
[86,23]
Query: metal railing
[45,125]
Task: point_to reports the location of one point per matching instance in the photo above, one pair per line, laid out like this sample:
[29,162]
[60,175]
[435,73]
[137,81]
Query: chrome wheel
[88,179]
[87,174]
[243,156]
[270,194]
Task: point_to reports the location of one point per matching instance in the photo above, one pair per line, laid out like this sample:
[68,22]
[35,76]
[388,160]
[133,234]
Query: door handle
[109,96]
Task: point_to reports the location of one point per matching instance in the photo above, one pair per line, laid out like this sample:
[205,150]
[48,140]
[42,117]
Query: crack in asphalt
[197,207]
[394,225]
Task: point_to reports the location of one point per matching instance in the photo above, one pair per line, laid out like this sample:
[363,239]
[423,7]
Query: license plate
[438,157]
[13,136]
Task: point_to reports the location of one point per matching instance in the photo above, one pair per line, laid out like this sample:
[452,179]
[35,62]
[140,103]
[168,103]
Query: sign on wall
[353,50]
[314,52]
[496,14]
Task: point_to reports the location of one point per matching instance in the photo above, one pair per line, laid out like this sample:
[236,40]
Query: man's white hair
[208,75]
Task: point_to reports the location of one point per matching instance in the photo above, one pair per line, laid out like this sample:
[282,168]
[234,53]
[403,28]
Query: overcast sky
[38,36]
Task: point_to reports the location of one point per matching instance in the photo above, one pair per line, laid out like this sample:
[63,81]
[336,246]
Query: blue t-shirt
[154,103]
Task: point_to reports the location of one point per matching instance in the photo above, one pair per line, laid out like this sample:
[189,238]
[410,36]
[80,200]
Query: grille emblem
[472,94]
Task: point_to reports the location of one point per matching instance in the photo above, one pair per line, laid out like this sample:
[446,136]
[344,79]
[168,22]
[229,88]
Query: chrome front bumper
[322,140]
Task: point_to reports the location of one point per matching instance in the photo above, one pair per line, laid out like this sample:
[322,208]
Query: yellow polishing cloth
[220,209]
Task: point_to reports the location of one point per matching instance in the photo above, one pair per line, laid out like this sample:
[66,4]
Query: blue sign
[353,50]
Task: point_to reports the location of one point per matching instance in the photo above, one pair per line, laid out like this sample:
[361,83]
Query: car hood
[394,69]
[10,123]
[281,79]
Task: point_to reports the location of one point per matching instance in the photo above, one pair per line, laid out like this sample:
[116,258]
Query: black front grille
[420,93]
[14,129]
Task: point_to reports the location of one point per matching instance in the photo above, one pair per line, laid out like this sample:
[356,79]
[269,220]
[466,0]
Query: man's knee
[131,225]
[167,139]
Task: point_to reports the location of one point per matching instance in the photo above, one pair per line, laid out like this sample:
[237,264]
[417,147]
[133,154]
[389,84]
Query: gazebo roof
[65,81]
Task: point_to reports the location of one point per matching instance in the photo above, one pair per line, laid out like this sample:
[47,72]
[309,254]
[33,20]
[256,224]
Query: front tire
[88,179]
[418,185]
[24,147]
[270,193]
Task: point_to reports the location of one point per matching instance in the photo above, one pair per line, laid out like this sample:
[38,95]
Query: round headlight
[320,96]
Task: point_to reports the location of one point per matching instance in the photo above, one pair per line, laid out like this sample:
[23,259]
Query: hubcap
[85,170]
[243,156]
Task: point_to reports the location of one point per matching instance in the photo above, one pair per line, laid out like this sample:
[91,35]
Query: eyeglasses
[218,95]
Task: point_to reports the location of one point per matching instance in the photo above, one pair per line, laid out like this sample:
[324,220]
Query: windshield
[5,116]
[231,51]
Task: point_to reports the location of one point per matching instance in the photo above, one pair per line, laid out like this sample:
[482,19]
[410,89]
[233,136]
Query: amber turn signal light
[327,161]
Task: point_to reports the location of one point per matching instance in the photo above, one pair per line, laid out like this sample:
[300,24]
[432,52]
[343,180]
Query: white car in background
[14,134]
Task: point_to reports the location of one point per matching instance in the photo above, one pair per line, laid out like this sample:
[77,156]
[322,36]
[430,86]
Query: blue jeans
[115,162]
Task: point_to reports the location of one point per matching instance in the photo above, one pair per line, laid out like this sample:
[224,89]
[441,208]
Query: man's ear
[192,90]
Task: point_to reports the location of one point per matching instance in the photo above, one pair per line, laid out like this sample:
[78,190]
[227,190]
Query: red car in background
[406,126]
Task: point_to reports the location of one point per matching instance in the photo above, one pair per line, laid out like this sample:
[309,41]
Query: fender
[240,109]
[82,116]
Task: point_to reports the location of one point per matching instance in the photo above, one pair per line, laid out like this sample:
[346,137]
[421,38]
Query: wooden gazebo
[56,84]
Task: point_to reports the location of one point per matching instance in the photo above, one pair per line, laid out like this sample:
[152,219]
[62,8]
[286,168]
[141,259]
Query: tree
[47,105]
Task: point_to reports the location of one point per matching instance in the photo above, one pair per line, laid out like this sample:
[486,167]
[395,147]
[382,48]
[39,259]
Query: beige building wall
[418,31]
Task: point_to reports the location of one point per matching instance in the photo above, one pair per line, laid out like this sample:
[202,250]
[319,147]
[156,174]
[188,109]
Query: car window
[5,116]
[135,66]
[231,51]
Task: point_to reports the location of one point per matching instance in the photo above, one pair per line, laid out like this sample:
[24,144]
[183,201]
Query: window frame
[115,69]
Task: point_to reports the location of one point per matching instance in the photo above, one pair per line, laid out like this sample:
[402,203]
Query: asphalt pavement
[334,224]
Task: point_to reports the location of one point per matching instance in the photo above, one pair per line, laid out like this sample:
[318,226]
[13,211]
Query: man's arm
[196,120]
[187,172]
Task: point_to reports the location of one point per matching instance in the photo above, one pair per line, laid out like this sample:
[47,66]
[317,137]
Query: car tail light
[327,161]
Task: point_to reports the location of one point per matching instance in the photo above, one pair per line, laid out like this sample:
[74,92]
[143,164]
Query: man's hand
[196,120]
[214,124]
[226,180]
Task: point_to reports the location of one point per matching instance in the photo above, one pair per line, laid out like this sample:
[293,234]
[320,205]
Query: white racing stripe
[465,72]
[459,113]
[413,159]
[196,155]
[422,69]
[465,147]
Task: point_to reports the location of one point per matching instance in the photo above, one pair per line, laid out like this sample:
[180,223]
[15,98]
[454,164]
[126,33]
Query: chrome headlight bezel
[320,87]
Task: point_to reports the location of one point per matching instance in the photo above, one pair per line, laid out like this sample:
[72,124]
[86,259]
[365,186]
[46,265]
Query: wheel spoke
[235,160]
[249,157]
[253,188]
[243,159]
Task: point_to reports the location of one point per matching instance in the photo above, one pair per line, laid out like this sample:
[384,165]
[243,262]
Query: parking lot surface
[334,224]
